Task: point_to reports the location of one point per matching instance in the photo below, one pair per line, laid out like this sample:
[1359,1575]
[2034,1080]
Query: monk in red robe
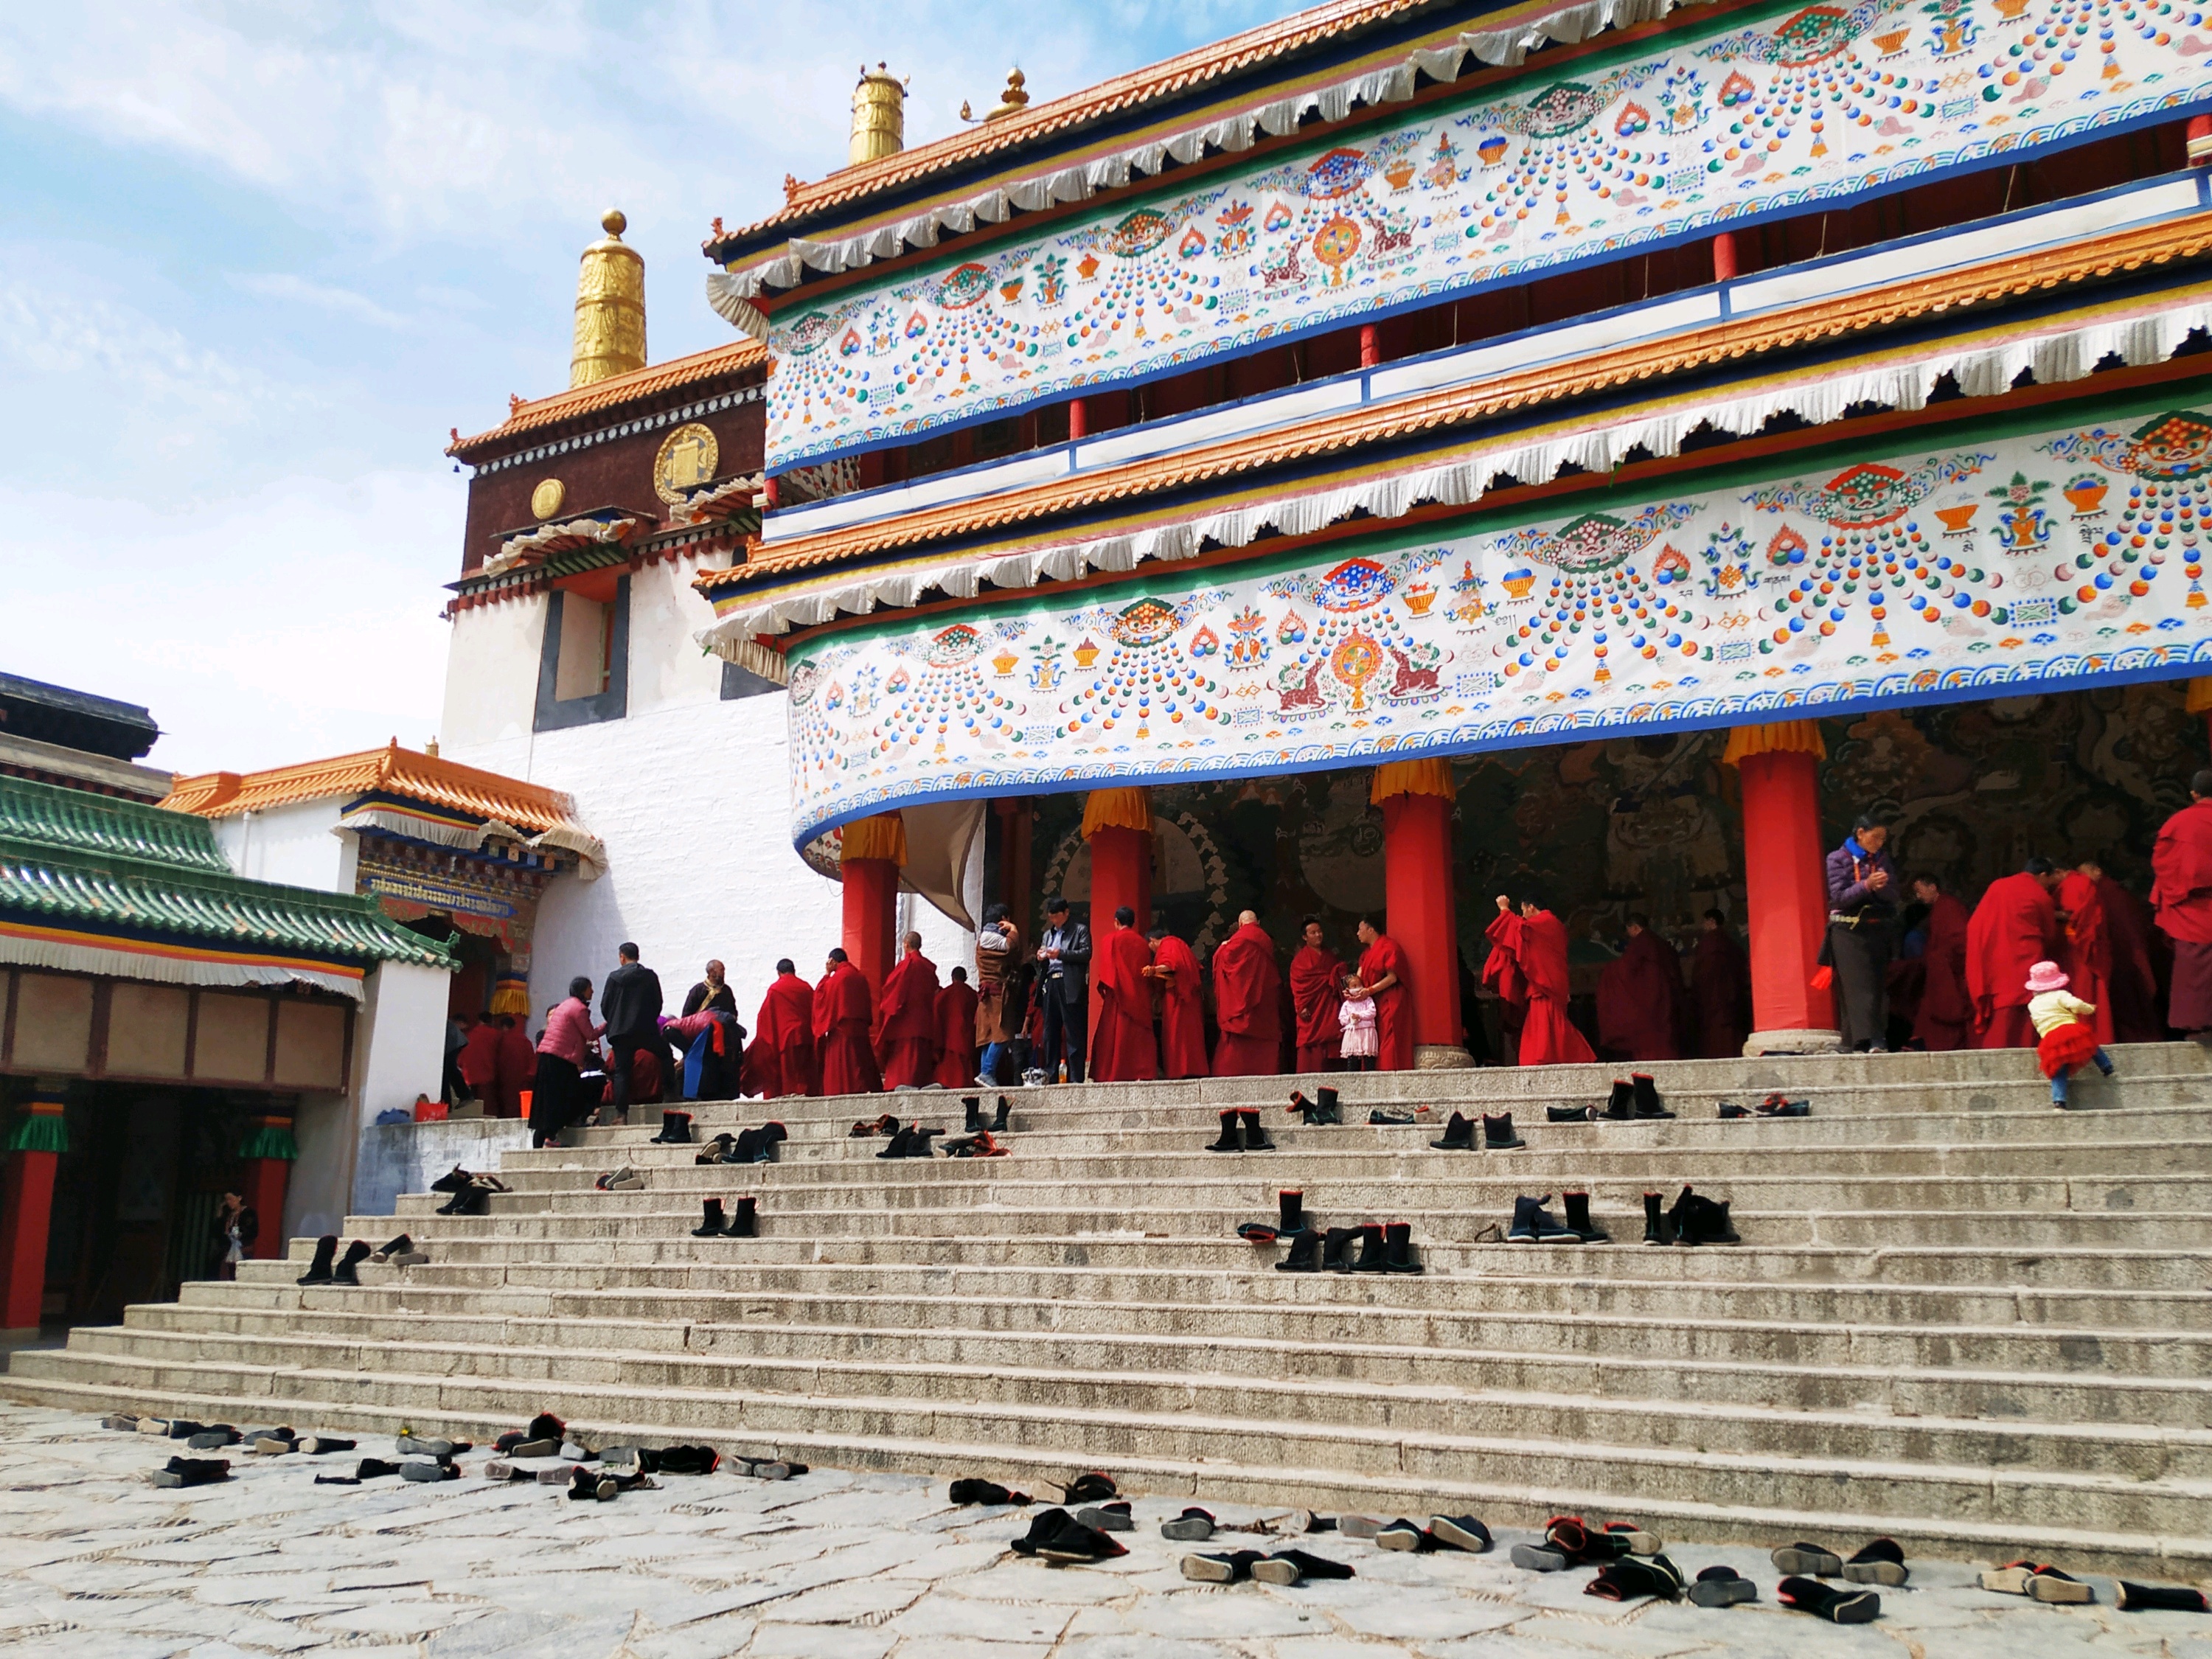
[2014,928]
[844,1018]
[1720,990]
[956,1033]
[1945,1018]
[906,1017]
[1183,1006]
[1248,990]
[782,1059]
[1388,977]
[1123,1049]
[2138,1016]
[479,1061]
[1501,974]
[1316,993]
[2181,895]
[1537,942]
[517,1065]
[1639,998]
[2086,952]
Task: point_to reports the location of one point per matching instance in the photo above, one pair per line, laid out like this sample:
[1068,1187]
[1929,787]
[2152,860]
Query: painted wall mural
[2036,558]
[1616,151]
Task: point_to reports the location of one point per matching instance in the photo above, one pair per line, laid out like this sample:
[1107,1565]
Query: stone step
[1383,1345]
[1646,1471]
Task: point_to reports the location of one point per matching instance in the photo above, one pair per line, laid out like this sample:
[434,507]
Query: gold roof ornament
[609,307]
[1013,102]
[879,115]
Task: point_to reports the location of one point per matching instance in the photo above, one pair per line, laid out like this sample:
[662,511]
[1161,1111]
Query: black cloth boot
[191,1472]
[1398,1248]
[973,1106]
[1838,1606]
[1578,1219]
[970,1489]
[1290,1211]
[1569,1114]
[747,1147]
[1331,1111]
[674,1129]
[1620,1104]
[2158,1598]
[1234,1568]
[897,1148]
[455,1180]
[745,1223]
[318,1271]
[1289,1566]
[1657,1230]
[1230,1142]
[1372,1251]
[1044,1527]
[713,1225]
[918,1142]
[1459,1136]
[999,1121]
[1497,1134]
[1304,1256]
[1256,1137]
[347,1271]
[1631,1576]
[1332,1245]
[722,1149]
[772,1134]
[1644,1094]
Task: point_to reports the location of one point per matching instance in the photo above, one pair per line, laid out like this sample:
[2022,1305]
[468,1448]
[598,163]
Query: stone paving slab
[96,1563]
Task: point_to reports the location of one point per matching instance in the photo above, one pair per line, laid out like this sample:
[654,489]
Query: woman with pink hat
[2064,1039]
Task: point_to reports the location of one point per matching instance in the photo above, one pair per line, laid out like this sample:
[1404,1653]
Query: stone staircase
[1958,1315]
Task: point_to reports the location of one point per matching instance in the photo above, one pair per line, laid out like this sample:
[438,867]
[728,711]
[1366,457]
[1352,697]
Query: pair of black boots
[1056,1536]
[1534,1224]
[974,1123]
[1633,1097]
[675,1130]
[469,1194]
[746,1146]
[745,1223]
[912,1141]
[1253,1138]
[1497,1134]
[1325,1109]
[324,1270]
[1384,1248]
[1694,1219]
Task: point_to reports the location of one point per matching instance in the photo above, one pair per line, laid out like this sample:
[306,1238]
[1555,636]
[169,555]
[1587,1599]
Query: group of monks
[836,1037]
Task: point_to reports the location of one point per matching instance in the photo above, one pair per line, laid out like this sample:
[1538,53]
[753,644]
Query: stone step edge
[2185,1558]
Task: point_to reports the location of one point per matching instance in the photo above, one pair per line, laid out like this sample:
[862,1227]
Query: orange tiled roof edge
[737,357]
[391,770]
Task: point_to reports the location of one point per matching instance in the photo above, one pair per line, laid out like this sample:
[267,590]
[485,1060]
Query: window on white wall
[583,670]
[586,633]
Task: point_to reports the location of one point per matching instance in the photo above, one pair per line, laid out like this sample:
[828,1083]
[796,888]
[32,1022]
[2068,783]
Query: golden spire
[879,115]
[609,307]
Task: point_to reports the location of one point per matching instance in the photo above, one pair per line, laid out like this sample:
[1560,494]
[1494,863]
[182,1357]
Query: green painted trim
[39,1132]
[270,1141]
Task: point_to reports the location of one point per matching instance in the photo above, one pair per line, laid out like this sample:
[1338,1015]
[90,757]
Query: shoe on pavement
[1722,1587]
[1193,1526]
[1838,1606]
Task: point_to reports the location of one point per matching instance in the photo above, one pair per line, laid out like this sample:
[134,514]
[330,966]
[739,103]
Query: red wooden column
[1785,891]
[268,1154]
[27,1206]
[1416,799]
[1724,257]
[1118,825]
[1370,345]
[874,851]
[2200,140]
[1079,419]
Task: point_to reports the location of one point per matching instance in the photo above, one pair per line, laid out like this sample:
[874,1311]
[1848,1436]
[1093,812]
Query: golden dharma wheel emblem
[686,460]
[545,500]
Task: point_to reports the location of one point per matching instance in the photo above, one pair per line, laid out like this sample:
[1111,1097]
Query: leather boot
[1256,1138]
[318,1271]
[1621,1105]
[1578,1219]
[347,1271]
[1459,1136]
[1497,1134]
[1645,1094]
[973,1105]
[999,1123]
[1332,1245]
[1290,1211]
[1398,1248]
[674,1129]
[713,1226]
[1230,1142]
[1657,1227]
[1328,1110]
[1304,1256]
[745,1223]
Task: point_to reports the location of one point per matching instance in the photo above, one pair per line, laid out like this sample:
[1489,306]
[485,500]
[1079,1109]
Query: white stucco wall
[399,1046]
[300,845]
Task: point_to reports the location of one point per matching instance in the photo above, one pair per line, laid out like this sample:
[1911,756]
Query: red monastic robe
[1248,990]
[1720,995]
[1640,1001]
[2137,1015]
[1538,946]
[2014,928]
[2086,949]
[781,1059]
[957,1061]
[1316,993]
[905,1034]
[844,1015]
[1182,1010]
[1944,1020]
[1122,1049]
[1501,972]
[1393,1008]
[2181,893]
[517,1069]
[480,1060]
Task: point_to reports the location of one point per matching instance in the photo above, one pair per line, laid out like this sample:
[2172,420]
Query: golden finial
[1014,100]
[879,115]
[610,337]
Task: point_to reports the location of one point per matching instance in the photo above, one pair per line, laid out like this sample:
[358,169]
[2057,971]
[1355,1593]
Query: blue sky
[256,259]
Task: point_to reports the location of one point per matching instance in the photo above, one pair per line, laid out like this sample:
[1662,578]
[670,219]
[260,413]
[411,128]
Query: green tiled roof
[68,858]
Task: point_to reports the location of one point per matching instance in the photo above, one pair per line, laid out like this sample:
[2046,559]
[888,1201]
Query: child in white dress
[1356,1014]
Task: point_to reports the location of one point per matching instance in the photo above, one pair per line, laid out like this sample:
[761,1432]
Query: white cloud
[283,285]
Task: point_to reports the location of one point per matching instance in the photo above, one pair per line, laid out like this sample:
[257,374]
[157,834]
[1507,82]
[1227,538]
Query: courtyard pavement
[96,1562]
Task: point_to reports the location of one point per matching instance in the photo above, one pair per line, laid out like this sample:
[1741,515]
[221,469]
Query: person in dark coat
[630,1006]
[712,993]
[1064,991]
[1863,902]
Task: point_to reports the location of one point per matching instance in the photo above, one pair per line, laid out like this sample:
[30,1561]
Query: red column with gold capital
[35,1145]
[1118,825]
[874,851]
[1416,799]
[1785,891]
[268,1154]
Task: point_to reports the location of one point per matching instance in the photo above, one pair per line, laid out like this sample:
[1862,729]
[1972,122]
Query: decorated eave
[92,884]
[717,517]
[2057,314]
[646,399]
[1325,62]
[417,797]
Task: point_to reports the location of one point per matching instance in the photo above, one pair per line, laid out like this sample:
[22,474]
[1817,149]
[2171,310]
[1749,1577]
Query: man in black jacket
[631,1005]
[1063,988]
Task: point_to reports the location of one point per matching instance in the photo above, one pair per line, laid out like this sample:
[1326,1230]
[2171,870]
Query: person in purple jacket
[1861,928]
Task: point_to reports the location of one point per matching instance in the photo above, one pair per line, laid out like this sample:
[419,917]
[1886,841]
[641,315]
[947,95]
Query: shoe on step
[1403,1535]
[1076,1542]
[1803,1560]
[1193,1526]
[2158,1598]
[1231,1569]
[1362,1526]
[1838,1606]
[1461,1532]
[1291,1566]
[191,1471]
[374,1468]
[2049,1584]
[1722,1587]
[1539,1558]
[1638,1541]
[1633,1576]
[425,1468]
[1109,1518]
[321,1445]
[1881,1562]
[970,1489]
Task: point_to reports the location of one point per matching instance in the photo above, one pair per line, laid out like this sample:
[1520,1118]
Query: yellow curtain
[1413,777]
[1116,809]
[880,837]
[2200,696]
[511,996]
[1777,738]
